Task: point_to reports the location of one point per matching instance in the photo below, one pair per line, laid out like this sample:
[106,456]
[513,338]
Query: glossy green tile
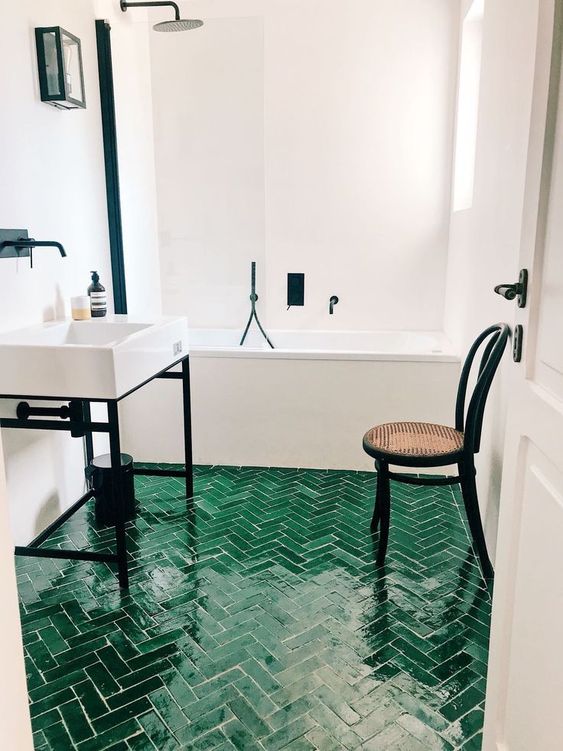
[249,717]
[118,716]
[50,702]
[462,703]
[39,740]
[429,738]
[169,711]
[200,725]
[465,728]
[158,732]
[321,739]
[57,736]
[140,742]
[290,732]
[111,740]
[147,664]
[43,720]
[102,679]
[261,622]
[76,721]
[240,737]
[138,691]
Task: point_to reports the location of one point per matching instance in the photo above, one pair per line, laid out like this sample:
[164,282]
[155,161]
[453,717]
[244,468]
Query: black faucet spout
[31,243]
[331,303]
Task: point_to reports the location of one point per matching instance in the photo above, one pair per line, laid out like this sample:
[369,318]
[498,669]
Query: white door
[524,709]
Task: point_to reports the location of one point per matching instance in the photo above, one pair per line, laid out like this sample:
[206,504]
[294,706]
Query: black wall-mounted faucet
[16,246]
[331,303]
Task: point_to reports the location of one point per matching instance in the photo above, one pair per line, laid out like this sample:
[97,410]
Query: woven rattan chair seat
[416,439]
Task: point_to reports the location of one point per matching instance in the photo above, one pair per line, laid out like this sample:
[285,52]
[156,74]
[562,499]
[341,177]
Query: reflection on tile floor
[262,623]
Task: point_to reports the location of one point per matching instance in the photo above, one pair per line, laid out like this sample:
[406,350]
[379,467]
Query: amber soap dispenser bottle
[98,297]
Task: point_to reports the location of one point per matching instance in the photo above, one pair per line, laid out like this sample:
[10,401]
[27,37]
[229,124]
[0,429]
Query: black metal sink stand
[80,424]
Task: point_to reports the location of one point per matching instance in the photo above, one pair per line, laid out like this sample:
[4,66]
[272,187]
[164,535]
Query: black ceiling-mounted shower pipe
[124,5]
[178,24]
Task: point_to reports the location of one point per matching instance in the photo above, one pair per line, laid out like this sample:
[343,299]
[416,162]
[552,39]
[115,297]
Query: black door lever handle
[517,291]
[508,291]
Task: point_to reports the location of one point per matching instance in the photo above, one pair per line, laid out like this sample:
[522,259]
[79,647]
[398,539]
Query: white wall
[208,89]
[53,184]
[311,137]
[15,726]
[485,238]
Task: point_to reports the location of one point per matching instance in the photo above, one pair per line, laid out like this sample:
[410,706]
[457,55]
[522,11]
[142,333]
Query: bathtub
[324,345]
[306,403]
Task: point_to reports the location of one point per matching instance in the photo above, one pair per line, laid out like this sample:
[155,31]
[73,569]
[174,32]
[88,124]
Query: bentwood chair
[423,444]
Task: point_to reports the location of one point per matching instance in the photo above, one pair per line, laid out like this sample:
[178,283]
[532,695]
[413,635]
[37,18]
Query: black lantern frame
[54,78]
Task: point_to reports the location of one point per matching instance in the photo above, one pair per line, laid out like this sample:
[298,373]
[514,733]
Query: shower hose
[253,313]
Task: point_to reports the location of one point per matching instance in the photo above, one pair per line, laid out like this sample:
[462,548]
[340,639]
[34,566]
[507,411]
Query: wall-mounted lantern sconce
[61,79]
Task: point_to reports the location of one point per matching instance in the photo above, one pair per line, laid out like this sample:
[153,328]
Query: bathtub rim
[231,353]
[234,351]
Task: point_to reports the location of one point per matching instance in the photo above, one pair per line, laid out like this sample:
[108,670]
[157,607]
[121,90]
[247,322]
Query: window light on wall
[468,105]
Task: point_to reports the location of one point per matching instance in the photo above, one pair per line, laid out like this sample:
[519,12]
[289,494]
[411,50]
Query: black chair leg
[471,503]
[375,517]
[383,506]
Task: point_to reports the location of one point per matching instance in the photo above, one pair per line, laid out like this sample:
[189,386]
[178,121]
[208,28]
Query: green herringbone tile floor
[261,622]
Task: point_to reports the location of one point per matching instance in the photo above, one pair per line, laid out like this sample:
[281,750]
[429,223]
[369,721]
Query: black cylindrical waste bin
[102,484]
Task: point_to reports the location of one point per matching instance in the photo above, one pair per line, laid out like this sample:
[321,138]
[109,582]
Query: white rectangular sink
[97,359]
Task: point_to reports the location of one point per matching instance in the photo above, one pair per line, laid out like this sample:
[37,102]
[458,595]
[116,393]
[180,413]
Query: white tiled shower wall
[311,137]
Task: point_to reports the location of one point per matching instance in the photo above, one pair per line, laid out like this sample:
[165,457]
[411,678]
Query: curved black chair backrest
[472,422]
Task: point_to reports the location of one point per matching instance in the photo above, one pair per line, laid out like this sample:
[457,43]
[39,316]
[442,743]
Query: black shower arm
[157,4]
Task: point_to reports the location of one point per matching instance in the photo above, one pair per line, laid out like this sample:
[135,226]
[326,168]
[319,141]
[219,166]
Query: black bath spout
[331,303]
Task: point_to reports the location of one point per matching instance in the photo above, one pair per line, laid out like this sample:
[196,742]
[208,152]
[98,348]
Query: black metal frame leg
[118,500]
[88,440]
[187,409]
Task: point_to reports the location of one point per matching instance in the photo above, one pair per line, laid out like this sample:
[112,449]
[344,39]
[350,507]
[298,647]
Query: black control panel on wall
[295,289]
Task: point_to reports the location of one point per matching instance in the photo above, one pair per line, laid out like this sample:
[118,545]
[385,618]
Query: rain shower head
[178,24]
